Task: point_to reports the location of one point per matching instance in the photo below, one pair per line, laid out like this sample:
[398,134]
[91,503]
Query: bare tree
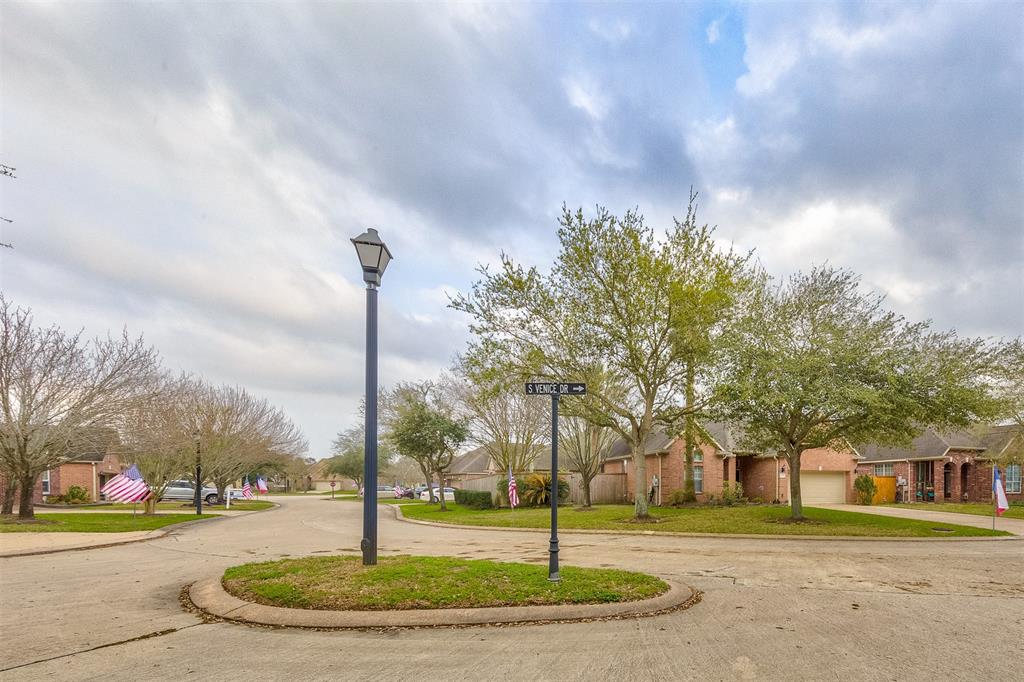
[54,386]
[154,437]
[585,445]
[240,434]
[510,426]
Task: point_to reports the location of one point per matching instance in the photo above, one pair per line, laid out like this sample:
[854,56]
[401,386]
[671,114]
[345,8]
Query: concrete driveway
[1015,526]
[773,609]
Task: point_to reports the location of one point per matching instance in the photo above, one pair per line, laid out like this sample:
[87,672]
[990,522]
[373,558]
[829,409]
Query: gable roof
[724,437]
[477,461]
[92,444]
[931,444]
[657,442]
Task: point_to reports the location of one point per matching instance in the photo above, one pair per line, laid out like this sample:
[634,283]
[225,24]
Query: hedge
[477,499]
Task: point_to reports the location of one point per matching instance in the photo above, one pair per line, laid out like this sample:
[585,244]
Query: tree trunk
[10,490]
[430,482]
[149,507]
[222,491]
[640,480]
[796,503]
[26,486]
[586,492]
[440,490]
[690,437]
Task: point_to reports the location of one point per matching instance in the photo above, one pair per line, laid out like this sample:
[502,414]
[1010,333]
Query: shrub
[476,499]
[535,490]
[732,494]
[866,488]
[76,494]
[679,497]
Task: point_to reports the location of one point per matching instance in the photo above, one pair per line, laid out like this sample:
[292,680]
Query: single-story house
[317,478]
[94,462]
[950,467]
[478,463]
[826,475]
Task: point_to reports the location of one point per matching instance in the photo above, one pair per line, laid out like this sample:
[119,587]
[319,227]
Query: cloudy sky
[195,171]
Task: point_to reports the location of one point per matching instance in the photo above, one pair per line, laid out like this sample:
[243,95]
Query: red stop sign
[333,484]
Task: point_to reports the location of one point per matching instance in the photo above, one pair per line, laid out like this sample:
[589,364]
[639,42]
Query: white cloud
[614,32]
[713,31]
[583,93]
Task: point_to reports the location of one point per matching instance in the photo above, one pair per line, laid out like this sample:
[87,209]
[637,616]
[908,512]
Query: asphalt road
[772,609]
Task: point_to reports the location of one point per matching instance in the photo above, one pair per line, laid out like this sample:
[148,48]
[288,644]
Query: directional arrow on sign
[546,388]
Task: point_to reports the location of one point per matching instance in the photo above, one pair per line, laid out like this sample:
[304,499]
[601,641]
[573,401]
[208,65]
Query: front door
[947,480]
[924,484]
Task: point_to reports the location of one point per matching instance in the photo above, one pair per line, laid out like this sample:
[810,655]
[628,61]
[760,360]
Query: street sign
[333,484]
[556,389]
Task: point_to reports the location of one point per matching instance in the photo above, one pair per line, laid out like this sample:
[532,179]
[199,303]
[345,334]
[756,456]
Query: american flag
[247,489]
[513,493]
[261,484]
[398,490]
[128,486]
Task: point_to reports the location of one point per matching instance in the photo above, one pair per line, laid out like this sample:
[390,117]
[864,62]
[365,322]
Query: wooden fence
[604,489]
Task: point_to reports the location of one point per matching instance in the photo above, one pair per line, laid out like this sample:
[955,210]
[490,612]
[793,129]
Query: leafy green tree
[707,289]
[424,430]
[607,305]
[818,363]
[348,465]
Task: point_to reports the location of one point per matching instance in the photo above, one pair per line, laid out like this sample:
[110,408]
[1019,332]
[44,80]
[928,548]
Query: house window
[698,456]
[46,482]
[884,469]
[1013,478]
[698,480]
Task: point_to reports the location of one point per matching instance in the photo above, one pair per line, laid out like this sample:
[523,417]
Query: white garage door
[823,487]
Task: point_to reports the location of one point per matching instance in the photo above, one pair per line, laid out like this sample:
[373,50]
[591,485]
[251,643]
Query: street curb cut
[156,535]
[742,536]
[210,597]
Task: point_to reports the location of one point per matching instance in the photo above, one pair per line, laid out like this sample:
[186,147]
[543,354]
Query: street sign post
[555,390]
[547,388]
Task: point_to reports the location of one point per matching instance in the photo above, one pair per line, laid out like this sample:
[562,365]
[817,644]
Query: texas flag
[997,488]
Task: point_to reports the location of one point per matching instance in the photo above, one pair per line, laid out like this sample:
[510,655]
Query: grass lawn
[1015,511]
[406,582]
[115,522]
[751,519]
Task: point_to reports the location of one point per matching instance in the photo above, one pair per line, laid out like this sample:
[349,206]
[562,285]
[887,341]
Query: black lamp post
[199,475]
[374,257]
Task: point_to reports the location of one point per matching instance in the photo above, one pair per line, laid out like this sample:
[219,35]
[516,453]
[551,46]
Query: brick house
[948,467]
[826,475]
[94,462]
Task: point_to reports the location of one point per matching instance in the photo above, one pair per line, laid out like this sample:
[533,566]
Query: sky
[193,172]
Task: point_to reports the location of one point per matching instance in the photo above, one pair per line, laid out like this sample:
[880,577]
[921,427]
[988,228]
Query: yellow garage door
[823,487]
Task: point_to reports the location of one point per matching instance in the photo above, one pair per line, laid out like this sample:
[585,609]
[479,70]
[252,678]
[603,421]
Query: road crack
[149,635]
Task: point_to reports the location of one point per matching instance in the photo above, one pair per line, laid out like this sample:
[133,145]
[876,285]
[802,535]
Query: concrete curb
[743,536]
[209,597]
[154,535]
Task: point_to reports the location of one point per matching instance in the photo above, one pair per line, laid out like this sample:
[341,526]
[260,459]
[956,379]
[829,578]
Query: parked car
[382,492]
[183,490]
[449,494]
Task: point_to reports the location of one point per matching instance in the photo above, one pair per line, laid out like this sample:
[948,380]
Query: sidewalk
[1015,526]
[18,544]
